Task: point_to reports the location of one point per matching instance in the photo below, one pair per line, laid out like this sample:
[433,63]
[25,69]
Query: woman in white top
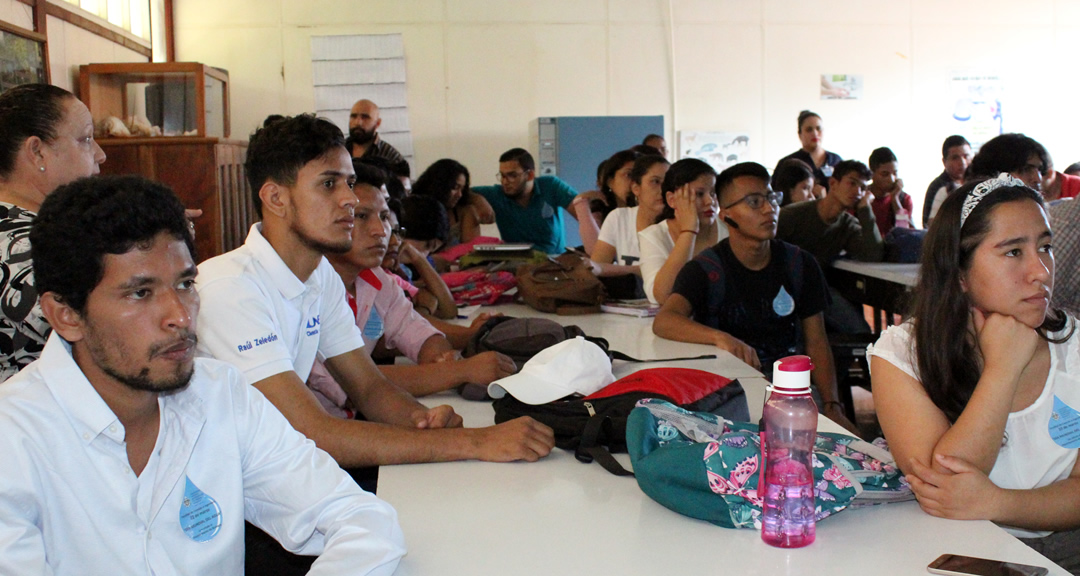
[616,250]
[686,226]
[976,392]
[592,208]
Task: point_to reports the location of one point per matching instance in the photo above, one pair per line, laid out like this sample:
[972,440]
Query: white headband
[984,188]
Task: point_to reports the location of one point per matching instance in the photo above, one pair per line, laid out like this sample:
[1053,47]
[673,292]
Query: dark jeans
[1063,547]
[841,316]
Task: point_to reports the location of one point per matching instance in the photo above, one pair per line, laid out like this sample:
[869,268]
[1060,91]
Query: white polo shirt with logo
[257,315]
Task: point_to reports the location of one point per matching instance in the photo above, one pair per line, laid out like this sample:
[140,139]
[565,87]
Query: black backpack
[522,338]
[594,429]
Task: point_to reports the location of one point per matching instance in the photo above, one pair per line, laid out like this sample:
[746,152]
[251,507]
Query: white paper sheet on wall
[345,69]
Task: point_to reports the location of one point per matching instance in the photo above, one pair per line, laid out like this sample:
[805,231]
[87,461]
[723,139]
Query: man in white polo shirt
[124,454]
[275,303]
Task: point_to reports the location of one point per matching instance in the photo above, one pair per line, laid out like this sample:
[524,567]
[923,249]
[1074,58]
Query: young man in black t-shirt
[752,295]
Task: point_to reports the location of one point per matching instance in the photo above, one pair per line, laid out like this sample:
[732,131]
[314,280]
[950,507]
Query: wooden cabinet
[178,98]
[206,173]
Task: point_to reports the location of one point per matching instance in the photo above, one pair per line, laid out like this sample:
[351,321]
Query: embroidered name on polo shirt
[313,326]
[258,342]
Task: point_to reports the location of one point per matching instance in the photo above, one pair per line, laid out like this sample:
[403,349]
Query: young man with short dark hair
[826,228]
[956,156]
[757,297]
[526,205]
[384,314]
[271,306]
[123,452]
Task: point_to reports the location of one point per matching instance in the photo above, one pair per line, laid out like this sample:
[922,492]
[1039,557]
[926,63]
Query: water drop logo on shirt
[373,328]
[200,515]
[783,304]
[1064,425]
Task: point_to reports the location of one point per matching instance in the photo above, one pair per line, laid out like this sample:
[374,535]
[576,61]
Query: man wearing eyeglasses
[751,294]
[526,205]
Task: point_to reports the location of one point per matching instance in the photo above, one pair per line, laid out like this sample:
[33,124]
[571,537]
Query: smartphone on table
[957,565]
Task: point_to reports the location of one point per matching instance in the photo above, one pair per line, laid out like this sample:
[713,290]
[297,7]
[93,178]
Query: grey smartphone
[956,565]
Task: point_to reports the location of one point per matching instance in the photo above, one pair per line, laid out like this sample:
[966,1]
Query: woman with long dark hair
[592,208]
[685,227]
[975,392]
[447,181]
[617,251]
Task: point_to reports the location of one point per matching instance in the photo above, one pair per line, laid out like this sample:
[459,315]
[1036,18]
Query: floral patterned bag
[705,467]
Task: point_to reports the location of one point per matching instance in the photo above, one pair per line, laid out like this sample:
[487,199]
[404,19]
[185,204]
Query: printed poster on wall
[717,149]
[976,105]
[841,86]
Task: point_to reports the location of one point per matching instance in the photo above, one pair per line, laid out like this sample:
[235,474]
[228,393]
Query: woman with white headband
[976,391]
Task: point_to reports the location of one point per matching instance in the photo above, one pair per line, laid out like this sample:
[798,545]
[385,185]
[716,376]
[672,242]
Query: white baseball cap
[569,367]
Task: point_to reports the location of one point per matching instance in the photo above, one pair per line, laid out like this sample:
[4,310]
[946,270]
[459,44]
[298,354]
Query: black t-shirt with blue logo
[763,308]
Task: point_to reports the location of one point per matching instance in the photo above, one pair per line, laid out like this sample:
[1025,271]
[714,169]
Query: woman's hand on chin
[1007,344]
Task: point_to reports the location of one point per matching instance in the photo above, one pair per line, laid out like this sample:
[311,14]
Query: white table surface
[906,274]
[560,516]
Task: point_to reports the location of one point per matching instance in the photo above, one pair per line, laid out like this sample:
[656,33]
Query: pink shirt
[395,319]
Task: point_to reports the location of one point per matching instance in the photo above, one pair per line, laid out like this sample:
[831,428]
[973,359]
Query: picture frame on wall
[22,57]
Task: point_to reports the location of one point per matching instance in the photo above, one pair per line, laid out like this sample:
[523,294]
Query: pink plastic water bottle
[790,418]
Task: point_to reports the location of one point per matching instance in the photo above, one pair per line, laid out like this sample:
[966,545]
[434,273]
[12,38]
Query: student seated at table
[1058,185]
[891,205]
[272,305]
[526,205]
[447,181]
[656,142]
[686,226]
[756,297]
[826,228]
[617,250]
[386,318]
[593,208]
[956,156]
[1020,156]
[404,263]
[124,453]
[795,180]
[976,391]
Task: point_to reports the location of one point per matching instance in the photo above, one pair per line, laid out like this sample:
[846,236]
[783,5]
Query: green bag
[705,467]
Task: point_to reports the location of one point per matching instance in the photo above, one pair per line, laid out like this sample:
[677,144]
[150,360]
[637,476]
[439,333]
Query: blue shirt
[540,223]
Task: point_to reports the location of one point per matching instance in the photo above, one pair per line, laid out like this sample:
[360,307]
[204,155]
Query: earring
[42,168]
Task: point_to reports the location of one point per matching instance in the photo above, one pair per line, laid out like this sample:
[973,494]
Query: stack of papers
[641,308]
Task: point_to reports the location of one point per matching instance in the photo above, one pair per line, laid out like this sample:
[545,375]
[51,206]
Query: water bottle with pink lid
[790,420]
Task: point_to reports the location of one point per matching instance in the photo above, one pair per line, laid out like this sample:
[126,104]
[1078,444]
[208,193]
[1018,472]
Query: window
[130,15]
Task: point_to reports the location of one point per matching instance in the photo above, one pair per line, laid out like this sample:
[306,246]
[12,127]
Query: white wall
[69,45]
[481,71]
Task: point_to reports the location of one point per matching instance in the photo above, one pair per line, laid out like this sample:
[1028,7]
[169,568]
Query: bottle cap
[791,375]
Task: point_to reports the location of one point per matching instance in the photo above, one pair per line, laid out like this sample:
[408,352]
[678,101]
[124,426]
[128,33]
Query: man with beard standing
[363,140]
[125,454]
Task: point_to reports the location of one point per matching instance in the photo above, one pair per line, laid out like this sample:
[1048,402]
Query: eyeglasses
[398,231]
[511,176]
[757,200]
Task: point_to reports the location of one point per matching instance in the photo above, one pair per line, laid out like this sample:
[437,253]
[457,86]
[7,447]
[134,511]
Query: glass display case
[156,99]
